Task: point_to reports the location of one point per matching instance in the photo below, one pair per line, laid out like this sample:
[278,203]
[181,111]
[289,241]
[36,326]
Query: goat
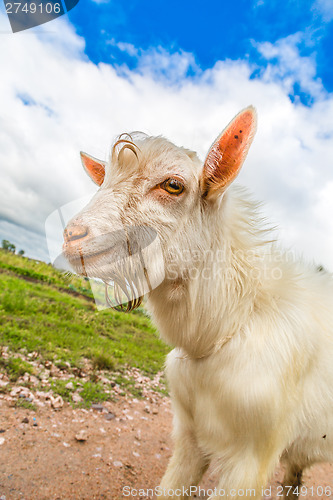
[251,372]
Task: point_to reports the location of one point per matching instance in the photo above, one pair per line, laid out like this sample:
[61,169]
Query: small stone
[138,435]
[76,397]
[155,411]
[57,402]
[44,394]
[66,445]
[97,407]
[33,380]
[45,375]
[104,380]
[2,440]
[109,416]
[147,409]
[2,431]
[17,390]
[117,463]
[54,371]
[81,436]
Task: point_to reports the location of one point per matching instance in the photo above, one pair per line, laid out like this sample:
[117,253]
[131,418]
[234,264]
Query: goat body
[251,375]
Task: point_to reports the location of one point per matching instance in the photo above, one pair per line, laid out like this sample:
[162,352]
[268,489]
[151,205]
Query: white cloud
[55,102]
[100,1]
[157,62]
[129,48]
[325,8]
[287,66]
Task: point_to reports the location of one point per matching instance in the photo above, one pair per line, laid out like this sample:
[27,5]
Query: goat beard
[126,281]
[126,284]
[123,268]
[123,286]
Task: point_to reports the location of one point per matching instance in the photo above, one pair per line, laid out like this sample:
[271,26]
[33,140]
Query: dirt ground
[95,454]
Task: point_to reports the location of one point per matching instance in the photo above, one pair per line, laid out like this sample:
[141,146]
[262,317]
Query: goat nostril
[76,233]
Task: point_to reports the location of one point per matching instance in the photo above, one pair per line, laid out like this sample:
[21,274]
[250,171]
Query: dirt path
[125,444]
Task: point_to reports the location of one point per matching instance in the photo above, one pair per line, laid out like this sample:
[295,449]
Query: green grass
[90,391]
[42,311]
[128,384]
[102,361]
[40,271]
[15,367]
[23,403]
[59,387]
[93,393]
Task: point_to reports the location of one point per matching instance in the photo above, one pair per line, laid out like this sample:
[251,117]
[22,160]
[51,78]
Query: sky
[178,69]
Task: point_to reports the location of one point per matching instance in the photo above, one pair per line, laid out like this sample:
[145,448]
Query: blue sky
[211,31]
[180,69]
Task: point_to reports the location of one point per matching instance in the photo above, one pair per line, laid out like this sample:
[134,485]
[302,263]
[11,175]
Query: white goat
[251,375]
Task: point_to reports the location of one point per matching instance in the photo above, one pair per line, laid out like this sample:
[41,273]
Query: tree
[21,252]
[7,245]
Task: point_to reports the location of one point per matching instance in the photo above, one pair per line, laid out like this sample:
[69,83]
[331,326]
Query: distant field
[54,315]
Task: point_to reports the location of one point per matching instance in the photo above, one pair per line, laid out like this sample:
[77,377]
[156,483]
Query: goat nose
[75,232]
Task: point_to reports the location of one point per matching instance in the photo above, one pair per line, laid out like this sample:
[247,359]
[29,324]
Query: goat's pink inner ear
[227,154]
[94,168]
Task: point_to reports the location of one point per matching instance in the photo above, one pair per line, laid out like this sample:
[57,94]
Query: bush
[7,245]
[102,361]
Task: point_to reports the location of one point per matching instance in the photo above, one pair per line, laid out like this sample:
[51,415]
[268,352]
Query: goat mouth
[116,245]
[118,260]
[78,255]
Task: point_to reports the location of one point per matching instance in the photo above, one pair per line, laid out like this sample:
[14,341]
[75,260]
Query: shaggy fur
[251,375]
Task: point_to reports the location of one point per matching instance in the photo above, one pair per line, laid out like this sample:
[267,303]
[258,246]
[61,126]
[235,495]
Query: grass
[16,367]
[102,361]
[128,384]
[40,271]
[93,393]
[23,403]
[59,387]
[90,391]
[43,311]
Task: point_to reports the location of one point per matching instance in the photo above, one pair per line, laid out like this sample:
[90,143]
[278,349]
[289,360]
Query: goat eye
[173,186]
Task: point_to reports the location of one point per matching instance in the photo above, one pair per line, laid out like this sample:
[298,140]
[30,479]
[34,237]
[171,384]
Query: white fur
[251,375]
[268,391]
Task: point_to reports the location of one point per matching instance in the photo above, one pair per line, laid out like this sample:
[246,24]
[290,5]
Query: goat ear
[94,168]
[227,154]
